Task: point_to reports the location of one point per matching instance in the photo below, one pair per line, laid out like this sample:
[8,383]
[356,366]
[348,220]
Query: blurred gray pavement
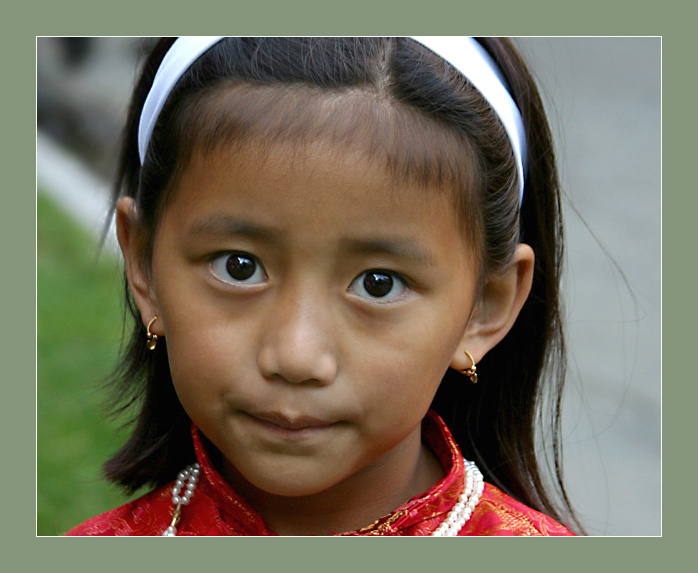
[603,97]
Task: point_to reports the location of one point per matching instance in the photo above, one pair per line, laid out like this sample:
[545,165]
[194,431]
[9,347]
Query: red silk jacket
[216,509]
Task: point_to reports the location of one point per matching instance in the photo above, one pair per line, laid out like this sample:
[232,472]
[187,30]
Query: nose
[298,345]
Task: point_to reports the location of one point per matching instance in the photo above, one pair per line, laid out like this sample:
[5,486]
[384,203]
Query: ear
[495,313]
[132,243]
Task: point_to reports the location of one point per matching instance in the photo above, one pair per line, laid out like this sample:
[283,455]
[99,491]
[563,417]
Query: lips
[296,423]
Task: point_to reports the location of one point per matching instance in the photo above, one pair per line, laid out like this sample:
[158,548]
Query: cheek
[210,355]
[424,343]
[203,341]
[407,365]
[206,359]
[402,377]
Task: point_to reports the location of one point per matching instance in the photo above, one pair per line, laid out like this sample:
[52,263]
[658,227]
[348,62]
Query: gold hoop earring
[470,372]
[152,338]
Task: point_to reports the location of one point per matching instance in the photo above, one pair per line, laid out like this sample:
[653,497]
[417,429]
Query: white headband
[463,53]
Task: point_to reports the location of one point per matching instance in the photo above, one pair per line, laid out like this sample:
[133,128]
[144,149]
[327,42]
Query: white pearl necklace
[189,476]
[461,512]
[454,522]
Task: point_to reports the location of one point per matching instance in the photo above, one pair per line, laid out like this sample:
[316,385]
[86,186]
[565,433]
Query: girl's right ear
[132,243]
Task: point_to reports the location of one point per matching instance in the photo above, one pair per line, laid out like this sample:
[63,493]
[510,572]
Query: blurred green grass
[79,329]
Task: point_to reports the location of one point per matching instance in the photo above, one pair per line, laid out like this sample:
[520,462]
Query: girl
[342,256]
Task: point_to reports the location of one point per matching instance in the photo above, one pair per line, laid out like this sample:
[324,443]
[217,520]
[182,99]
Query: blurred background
[603,97]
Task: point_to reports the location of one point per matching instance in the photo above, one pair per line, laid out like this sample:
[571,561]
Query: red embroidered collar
[420,515]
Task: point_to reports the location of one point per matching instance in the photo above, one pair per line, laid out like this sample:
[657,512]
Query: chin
[296,485]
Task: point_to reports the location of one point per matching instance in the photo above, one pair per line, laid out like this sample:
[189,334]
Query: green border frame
[404,18]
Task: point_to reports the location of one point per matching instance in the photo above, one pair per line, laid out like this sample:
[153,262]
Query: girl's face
[311,307]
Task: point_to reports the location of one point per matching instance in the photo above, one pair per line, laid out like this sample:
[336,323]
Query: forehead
[318,180]
[311,198]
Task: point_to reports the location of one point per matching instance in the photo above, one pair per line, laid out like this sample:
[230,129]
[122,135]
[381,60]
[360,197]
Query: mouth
[299,425]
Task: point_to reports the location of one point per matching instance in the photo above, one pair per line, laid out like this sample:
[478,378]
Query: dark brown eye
[378,284]
[240,267]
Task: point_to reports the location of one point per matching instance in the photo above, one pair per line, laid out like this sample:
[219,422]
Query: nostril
[297,366]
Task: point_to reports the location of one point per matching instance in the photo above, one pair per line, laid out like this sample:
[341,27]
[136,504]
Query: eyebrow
[227,225]
[407,248]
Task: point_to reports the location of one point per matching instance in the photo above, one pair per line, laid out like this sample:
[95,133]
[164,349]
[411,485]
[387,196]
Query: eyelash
[220,267]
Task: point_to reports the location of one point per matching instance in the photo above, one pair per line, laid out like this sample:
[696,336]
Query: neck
[354,503]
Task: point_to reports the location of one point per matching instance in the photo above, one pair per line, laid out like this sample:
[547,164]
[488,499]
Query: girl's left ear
[498,308]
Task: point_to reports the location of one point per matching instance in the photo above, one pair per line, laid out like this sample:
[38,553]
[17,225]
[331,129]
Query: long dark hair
[509,423]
